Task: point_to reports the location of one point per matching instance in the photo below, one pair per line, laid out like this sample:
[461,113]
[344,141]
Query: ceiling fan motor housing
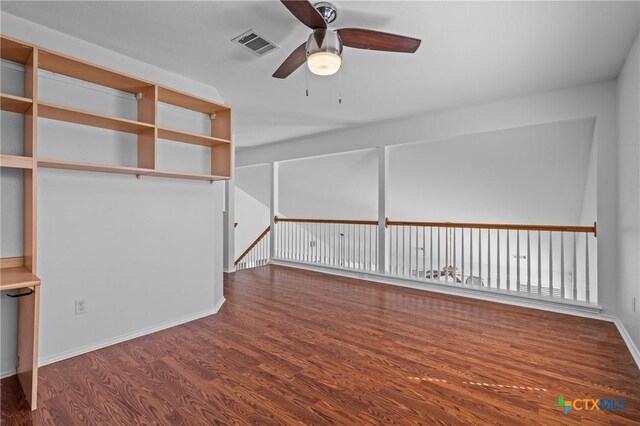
[323,40]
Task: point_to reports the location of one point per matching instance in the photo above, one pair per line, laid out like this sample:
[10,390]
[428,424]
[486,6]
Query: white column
[273,205]
[229,226]
[383,168]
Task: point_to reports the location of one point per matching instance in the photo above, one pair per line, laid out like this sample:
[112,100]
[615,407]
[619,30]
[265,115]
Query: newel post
[228,227]
[273,207]
[383,180]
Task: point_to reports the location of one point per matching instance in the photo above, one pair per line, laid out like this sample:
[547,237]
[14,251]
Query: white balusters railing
[557,262]
[350,244]
[549,261]
[257,254]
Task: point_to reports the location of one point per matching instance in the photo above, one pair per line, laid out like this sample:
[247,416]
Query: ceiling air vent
[255,43]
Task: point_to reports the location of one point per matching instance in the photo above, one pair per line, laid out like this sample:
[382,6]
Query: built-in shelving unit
[19,274]
[148,95]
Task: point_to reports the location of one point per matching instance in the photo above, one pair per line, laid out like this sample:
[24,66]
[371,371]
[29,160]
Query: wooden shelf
[16,161]
[193,176]
[14,103]
[192,138]
[70,165]
[14,50]
[76,68]
[184,100]
[61,113]
[18,277]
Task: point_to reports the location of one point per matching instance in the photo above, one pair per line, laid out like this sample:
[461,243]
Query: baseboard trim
[122,338]
[635,352]
[7,372]
[579,309]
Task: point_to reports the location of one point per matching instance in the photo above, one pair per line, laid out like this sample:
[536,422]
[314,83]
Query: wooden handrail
[557,228]
[255,243]
[523,227]
[344,222]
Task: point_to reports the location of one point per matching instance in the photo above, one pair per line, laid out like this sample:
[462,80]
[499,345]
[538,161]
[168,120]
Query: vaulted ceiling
[471,52]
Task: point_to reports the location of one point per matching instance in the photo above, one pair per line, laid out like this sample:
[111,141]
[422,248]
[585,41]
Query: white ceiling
[471,52]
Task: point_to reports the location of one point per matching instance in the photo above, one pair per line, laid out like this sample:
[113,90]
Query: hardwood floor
[292,347]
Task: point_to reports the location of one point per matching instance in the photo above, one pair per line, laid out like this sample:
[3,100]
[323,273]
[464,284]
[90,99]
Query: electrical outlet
[81,307]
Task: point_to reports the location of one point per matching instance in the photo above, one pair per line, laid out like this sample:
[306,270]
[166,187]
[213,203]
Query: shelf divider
[148,141]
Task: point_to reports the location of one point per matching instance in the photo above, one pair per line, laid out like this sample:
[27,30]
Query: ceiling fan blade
[293,62]
[377,40]
[306,13]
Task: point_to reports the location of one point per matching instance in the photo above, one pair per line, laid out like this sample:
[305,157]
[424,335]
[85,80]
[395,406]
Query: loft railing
[544,260]
[349,244]
[555,262]
[257,254]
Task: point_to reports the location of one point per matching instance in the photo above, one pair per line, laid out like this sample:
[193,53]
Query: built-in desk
[25,286]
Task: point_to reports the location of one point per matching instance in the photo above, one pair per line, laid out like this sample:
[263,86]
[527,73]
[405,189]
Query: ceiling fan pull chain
[340,85]
[307,76]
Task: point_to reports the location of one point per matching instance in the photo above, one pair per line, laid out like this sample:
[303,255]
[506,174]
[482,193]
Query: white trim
[119,339]
[8,372]
[124,337]
[527,301]
[635,352]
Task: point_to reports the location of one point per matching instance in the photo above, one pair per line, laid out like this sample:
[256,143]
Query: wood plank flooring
[298,347]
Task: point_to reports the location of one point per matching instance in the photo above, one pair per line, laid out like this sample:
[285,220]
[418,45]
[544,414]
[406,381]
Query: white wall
[588,101]
[341,186]
[252,200]
[628,236]
[534,174]
[252,217]
[144,253]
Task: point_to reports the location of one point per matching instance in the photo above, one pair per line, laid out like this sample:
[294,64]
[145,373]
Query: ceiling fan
[323,50]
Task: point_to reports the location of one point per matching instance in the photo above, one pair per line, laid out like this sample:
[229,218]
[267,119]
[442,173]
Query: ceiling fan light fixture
[324,52]
[324,63]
